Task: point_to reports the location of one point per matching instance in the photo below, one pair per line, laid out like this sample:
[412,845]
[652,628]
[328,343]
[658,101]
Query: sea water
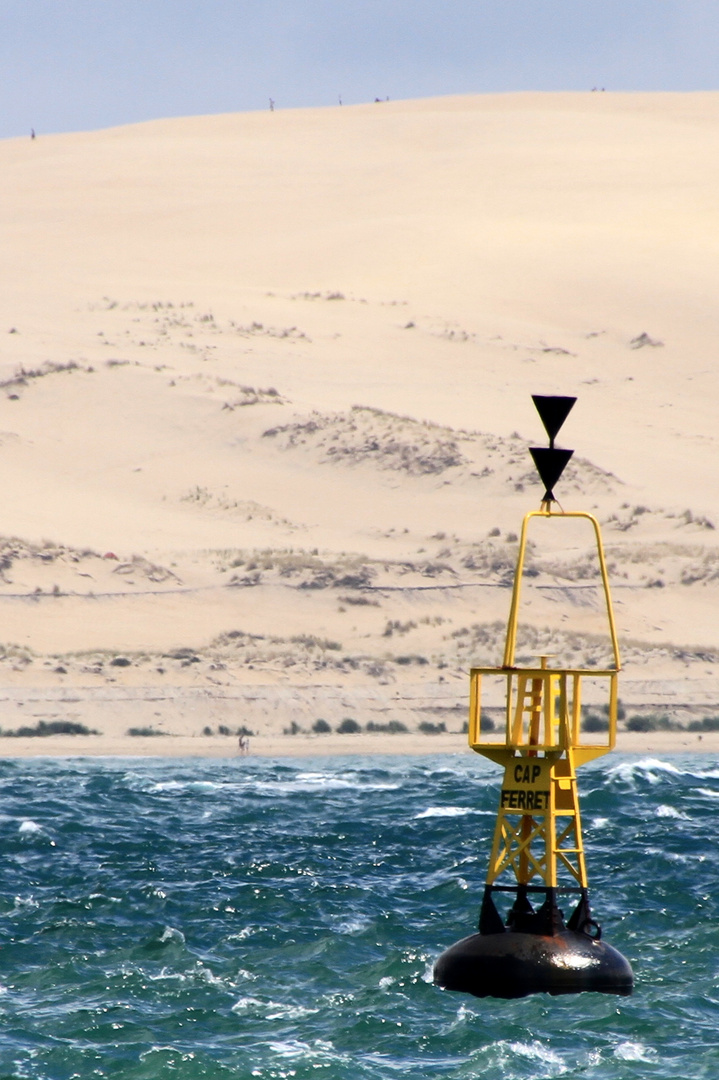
[256,918]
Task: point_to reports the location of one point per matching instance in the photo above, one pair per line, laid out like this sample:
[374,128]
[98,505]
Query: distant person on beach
[244,745]
[32,133]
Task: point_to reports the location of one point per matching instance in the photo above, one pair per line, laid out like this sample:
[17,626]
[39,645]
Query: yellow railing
[543,713]
[510,645]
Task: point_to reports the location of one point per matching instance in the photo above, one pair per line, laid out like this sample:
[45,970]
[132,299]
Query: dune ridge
[265,405]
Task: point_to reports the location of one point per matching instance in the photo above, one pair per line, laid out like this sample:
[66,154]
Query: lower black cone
[550,462]
[514,964]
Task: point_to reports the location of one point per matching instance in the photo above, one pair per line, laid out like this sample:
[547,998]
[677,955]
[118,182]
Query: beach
[314,746]
[192,724]
[187,721]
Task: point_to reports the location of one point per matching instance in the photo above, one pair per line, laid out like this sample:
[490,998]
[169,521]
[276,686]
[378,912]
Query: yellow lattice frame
[538,833]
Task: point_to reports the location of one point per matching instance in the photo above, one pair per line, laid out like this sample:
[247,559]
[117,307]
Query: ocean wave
[542,1056]
[669,856]
[299,934]
[511,1059]
[634,1051]
[351,926]
[310,785]
[22,903]
[649,769]
[170,933]
[272,1010]
[32,831]
[654,770]
[29,828]
[183,787]
[666,811]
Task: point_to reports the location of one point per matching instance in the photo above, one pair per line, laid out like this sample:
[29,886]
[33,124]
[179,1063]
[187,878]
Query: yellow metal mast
[538,834]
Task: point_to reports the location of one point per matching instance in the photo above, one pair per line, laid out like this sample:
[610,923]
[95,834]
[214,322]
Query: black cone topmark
[550,462]
[553,411]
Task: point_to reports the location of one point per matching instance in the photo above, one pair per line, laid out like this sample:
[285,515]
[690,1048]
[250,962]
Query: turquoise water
[249,918]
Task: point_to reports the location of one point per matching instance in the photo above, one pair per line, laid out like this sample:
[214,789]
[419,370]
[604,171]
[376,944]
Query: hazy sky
[69,65]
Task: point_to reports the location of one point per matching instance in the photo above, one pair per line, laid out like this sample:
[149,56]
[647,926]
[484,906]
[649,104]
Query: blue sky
[68,65]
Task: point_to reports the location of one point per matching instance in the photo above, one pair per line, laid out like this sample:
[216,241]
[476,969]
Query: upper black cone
[553,411]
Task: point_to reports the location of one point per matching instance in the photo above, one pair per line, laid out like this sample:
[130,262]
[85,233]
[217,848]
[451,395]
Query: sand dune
[265,403]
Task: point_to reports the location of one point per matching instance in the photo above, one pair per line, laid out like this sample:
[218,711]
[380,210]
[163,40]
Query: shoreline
[309,746]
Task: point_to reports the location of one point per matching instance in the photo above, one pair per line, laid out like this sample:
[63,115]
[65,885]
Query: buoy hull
[513,965]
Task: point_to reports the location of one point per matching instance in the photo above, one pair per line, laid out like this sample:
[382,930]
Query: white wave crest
[542,1055]
[28,827]
[707,792]
[634,1051]
[21,902]
[272,1010]
[653,770]
[240,935]
[318,1050]
[351,926]
[311,783]
[171,934]
[665,810]
[649,769]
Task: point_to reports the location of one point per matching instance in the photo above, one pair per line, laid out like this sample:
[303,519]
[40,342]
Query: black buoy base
[513,964]
[534,952]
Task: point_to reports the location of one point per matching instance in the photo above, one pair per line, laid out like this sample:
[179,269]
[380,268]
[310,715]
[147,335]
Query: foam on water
[708,793]
[29,827]
[549,1062]
[634,1051]
[271,1010]
[663,810]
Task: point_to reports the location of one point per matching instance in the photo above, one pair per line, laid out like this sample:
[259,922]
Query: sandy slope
[265,403]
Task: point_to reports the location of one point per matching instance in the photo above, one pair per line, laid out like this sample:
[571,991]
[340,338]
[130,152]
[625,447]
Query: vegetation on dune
[707,723]
[49,727]
[348,726]
[652,722]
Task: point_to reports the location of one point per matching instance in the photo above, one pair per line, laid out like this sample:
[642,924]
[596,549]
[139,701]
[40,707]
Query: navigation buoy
[537,858]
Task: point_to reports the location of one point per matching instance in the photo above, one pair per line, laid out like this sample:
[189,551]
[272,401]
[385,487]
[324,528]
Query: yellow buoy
[537,857]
